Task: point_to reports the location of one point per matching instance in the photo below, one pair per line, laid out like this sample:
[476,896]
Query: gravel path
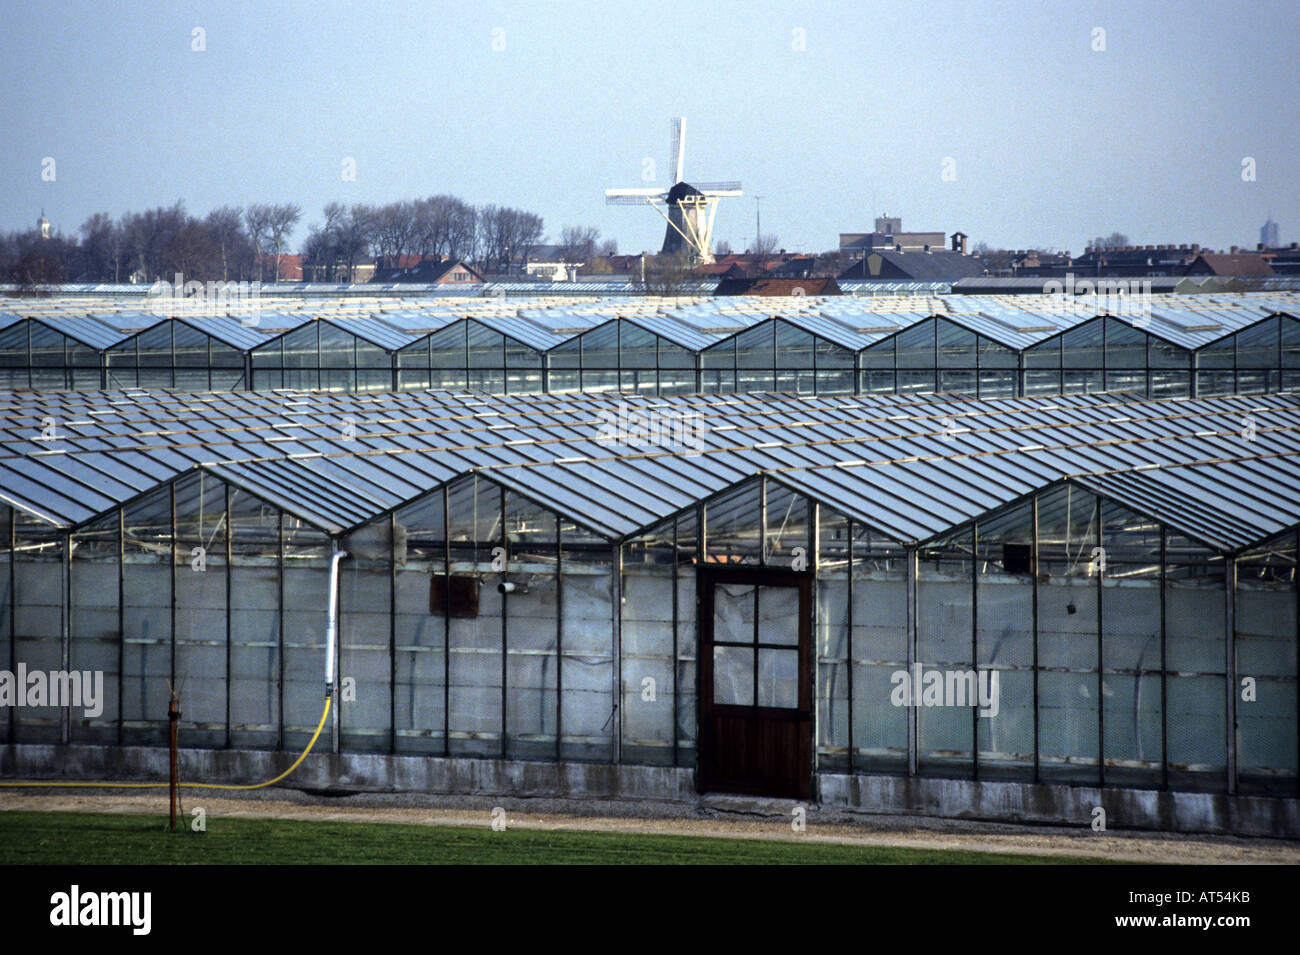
[714,816]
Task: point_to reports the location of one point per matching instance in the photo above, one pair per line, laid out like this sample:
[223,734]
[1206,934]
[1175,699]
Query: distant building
[1132,260]
[774,286]
[923,266]
[777,265]
[43,226]
[1241,264]
[432,272]
[550,264]
[1283,261]
[290,267]
[1268,234]
[889,234]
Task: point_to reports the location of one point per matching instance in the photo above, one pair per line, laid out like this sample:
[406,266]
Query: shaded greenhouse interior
[981,346]
[1122,564]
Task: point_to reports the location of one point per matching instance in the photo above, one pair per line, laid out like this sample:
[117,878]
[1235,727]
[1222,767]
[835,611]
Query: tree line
[246,243]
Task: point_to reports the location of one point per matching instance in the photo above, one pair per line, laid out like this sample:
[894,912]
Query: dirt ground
[713,816]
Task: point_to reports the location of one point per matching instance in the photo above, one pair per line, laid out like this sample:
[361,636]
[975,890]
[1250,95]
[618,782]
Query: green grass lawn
[65,838]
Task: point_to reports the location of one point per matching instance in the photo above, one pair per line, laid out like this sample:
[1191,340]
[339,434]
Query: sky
[1019,124]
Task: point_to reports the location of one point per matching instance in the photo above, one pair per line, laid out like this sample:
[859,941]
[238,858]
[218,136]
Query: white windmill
[690,208]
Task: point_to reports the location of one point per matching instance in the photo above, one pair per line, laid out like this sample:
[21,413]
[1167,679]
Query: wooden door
[755,696]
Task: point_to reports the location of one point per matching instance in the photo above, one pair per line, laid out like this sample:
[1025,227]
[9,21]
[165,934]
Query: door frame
[707,577]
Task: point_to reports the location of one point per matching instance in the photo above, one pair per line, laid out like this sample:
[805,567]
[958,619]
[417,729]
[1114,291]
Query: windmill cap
[681,190]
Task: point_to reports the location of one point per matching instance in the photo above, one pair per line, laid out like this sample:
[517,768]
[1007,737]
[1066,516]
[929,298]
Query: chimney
[1196,247]
[1233,250]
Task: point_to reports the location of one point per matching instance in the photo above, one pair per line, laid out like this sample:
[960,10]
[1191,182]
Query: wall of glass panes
[1105,354]
[320,356]
[468,354]
[777,356]
[1262,358]
[174,355]
[1114,639]
[32,355]
[621,356]
[938,355]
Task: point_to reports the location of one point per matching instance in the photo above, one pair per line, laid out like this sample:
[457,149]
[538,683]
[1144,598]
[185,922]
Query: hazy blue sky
[1051,142]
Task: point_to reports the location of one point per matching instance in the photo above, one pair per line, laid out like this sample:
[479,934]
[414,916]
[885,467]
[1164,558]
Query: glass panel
[879,637]
[1257,347]
[1005,642]
[778,615]
[636,347]
[301,348]
[735,526]
[146,619]
[1195,622]
[878,356]
[946,711]
[37,634]
[254,622]
[1131,685]
[1045,354]
[1290,343]
[733,676]
[1081,346]
[447,347]
[794,346]
[733,613]
[200,588]
[191,347]
[754,347]
[94,634]
[956,345]
[587,670]
[778,678]
[1126,347]
[646,632]
[1266,608]
[600,349]
[1069,682]
[47,346]
[337,347]
[993,355]
[915,346]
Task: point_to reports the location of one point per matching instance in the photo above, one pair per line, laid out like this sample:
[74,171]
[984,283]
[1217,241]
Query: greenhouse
[811,598]
[974,345]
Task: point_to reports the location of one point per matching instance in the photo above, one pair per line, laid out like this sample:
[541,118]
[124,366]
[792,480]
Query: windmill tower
[688,209]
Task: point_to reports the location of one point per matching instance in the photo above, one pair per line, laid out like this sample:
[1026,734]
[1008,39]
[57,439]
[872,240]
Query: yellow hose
[270,782]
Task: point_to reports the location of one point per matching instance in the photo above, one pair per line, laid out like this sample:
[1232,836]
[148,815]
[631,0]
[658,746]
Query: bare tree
[1116,240]
[279,225]
[101,244]
[148,233]
[666,274]
[764,244]
[226,227]
[578,243]
[258,219]
[395,229]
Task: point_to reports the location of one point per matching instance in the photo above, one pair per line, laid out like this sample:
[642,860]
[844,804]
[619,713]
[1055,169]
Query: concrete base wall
[1126,809]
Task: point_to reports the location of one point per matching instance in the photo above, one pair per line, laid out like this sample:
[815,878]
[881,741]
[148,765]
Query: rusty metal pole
[173,715]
